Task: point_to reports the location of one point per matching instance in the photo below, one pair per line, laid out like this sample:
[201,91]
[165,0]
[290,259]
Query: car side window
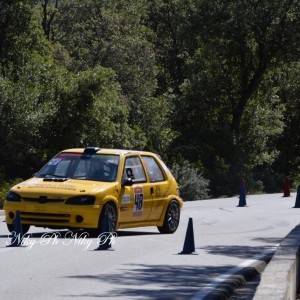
[154,172]
[134,169]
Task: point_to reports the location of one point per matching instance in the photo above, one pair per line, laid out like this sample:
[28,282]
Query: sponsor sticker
[138,201]
[126,199]
[54,161]
[52,186]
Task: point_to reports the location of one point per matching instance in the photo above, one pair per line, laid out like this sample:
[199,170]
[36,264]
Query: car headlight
[12,196]
[81,200]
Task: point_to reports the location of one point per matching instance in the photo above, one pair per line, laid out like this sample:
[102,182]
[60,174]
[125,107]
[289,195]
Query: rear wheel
[172,218]
[25,228]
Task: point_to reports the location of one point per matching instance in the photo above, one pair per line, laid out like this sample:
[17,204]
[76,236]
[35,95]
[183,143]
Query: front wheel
[110,210]
[172,217]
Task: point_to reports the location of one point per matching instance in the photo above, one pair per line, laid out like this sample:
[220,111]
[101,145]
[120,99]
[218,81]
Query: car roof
[111,151]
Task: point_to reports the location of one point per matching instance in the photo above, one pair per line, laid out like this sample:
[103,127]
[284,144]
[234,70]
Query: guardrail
[280,279]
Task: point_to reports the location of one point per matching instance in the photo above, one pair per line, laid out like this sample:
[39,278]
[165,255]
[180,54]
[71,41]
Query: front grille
[44,220]
[45,214]
[45,217]
[47,201]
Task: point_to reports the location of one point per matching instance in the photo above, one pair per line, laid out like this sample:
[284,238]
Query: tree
[20,33]
[174,39]
[48,12]
[229,95]
[54,108]
[111,34]
[246,39]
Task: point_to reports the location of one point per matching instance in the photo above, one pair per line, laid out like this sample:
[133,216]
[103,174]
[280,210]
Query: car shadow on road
[179,281]
[244,252]
[133,233]
[143,281]
[71,233]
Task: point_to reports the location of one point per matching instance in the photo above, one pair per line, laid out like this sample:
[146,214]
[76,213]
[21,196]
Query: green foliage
[114,37]
[192,185]
[255,187]
[20,34]
[5,186]
[209,82]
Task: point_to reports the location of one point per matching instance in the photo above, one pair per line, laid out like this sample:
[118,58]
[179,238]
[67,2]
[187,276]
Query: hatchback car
[78,187]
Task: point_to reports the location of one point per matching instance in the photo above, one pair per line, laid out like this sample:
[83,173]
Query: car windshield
[99,167]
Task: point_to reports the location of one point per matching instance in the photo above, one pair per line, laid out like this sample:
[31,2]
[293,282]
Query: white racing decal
[126,199]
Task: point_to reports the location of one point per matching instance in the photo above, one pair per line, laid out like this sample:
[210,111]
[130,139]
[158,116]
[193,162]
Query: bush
[254,187]
[192,186]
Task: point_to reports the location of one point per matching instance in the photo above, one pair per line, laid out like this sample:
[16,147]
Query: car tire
[109,209]
[25,228]
[172,218]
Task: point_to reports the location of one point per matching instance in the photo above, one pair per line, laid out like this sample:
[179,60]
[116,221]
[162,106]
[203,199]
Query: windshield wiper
[52,177]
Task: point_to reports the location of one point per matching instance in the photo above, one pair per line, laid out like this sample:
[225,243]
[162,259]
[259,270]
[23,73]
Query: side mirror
[127,182]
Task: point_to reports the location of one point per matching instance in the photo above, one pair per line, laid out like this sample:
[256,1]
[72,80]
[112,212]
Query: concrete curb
[280,280]
[279,273]
[227,287]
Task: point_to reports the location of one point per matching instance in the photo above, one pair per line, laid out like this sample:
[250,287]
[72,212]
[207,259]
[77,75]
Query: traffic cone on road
[242,201]
[297,203]
[286,188]
[189,243]
[106,237]
[18,232]
[244,184]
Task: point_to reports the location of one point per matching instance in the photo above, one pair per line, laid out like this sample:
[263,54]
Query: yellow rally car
[78,186]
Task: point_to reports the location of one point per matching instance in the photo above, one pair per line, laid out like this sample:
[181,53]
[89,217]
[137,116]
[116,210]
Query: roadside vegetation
[212,87]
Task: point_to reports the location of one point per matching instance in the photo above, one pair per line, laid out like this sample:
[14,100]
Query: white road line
[217,281]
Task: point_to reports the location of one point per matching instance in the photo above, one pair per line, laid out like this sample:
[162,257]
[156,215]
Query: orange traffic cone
[243,183]
[286,188]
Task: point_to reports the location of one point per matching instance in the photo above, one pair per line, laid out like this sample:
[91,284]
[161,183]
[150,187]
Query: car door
[158,185]
[135,200]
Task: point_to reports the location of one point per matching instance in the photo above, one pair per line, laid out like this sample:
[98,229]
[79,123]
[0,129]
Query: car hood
[69,187]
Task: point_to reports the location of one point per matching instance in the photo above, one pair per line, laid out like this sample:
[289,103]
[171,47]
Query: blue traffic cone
[106,237]
[189,243]
[18,232]
[297,203]
[242,201]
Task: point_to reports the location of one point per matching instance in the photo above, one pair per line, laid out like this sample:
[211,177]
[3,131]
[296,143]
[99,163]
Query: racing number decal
[138,201]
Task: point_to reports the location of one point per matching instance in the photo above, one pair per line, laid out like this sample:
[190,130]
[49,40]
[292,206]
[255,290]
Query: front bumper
[54,215]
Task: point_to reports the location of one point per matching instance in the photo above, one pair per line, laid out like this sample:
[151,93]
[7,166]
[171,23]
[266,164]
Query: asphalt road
[145,263]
